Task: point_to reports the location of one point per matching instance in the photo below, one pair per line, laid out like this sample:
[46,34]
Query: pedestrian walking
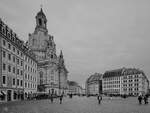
[140,99]
[99,98]
[145,98]
[51,98]
[60,98]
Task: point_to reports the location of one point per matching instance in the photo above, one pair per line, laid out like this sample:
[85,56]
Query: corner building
[94,84]
[52,73]
[12,54]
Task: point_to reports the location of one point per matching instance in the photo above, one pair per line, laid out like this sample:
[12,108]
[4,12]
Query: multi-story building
[94,84]
[30,74]
[74,88]
[52,73]
[12,52]
[112,81]
[125,81]
[133,82]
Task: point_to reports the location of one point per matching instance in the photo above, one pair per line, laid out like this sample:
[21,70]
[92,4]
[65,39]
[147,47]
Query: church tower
[44,47]
[41,22]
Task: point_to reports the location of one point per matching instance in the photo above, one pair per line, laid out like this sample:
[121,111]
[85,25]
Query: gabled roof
[94,77]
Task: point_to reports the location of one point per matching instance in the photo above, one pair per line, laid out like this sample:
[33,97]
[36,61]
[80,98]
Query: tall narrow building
[52,72]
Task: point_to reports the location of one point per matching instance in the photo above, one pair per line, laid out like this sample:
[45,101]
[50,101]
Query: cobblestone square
[77,105]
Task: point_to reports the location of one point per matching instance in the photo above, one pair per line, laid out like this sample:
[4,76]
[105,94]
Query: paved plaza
[77,105]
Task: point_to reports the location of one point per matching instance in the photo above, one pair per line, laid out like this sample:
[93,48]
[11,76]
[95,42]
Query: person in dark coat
[51,98]
[140,99]
[60,98]
[145,99]
[99,98]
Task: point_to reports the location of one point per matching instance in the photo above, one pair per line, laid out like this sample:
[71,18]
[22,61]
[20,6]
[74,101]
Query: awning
[4,93]
[1,94]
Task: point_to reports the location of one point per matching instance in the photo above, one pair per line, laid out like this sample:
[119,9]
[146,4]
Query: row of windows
[111,86]
[131,76]
[12,69]
[30,77]
[130,85]
[32,70]
[112,82]
[30,85]
[11,57]
[135,80]
[10,47]
[111,78]
[14,81]
[131,89]
[27,59]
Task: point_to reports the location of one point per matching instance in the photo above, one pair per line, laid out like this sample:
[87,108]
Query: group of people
[59,97]
[143,97]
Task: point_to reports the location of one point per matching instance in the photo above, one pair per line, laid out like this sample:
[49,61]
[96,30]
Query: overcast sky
[95,35]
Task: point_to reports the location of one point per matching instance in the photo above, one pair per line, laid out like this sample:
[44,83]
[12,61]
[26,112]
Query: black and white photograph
[74,56]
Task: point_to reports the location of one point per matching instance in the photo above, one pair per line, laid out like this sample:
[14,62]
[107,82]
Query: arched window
[40,22]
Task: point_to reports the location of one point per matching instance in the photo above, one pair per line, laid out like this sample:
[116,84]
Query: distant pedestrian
[60,98]
[140,99]
[51,98]
[99,98]
[145,98]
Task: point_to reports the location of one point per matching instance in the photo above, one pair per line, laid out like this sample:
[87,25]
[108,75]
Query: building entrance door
[9,95]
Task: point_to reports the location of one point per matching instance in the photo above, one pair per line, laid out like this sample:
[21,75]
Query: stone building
[12,65]
[125,81]
[94,84]
[52,73]
[134,82]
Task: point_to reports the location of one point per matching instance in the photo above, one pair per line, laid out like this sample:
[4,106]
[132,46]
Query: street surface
[77,105]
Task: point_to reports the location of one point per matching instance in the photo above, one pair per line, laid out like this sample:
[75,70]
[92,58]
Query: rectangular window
[9,68]
[4,43]
[4,79]
[17,61]
[17,71]
[25,84]
[4,66]
[21,63]
[21,54]
[14,49]
[14,69]
[4,54]
[9,56]
[21,72]
[14,82]
[21,83]
[18,52]
[9,46]
[14,59]
[17,82]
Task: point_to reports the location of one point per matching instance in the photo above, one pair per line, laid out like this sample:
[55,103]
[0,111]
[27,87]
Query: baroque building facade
[52,73]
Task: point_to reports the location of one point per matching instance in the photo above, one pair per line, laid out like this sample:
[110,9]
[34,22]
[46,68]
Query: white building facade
[12,52]
[125,81]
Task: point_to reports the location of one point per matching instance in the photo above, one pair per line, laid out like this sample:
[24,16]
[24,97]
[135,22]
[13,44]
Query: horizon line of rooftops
[117,72]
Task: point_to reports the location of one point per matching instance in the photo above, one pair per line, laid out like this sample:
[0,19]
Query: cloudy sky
[95,35]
